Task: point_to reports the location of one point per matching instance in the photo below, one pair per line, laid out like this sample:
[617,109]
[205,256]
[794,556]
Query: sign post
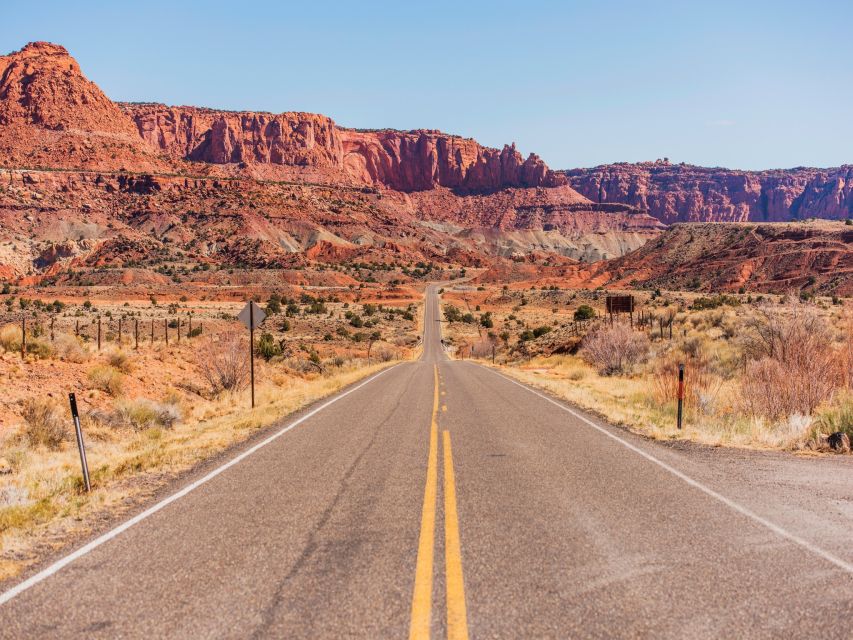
[80,446]
[680,392]
[252,316]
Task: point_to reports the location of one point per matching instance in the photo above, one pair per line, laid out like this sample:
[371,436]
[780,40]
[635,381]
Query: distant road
[442,499]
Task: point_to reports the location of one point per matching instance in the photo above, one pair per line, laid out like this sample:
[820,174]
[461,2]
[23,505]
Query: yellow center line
[422,594]
[457,617]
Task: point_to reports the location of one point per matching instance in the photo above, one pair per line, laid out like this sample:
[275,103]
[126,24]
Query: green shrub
[541,331]
[584,312]
[452,313]
[267,347]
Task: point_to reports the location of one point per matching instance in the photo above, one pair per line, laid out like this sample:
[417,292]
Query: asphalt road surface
[441,499]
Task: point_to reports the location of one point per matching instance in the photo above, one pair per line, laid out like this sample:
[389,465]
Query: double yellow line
[457,618]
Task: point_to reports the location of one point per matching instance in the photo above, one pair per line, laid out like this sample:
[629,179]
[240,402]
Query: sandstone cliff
[686,193]
[402,160]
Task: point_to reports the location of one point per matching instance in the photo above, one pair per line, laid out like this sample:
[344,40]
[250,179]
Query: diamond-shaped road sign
[251,315]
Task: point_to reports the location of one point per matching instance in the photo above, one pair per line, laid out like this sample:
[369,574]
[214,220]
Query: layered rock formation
[423,160]
[401,160]
[686,193]
[225,137]
[816,256]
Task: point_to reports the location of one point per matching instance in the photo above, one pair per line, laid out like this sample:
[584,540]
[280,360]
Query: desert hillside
[813,257]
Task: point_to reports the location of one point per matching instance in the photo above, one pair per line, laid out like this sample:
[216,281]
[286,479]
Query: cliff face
[422,160]
[685,193]
[223,137]
[405,161]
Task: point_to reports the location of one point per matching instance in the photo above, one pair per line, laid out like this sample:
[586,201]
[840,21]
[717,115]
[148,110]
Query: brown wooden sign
[620,304]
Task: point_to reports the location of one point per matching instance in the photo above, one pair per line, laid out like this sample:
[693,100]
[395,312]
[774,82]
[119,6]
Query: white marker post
[252,316]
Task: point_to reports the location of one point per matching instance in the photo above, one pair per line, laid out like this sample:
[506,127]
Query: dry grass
[43,494]
[224,362]
[10,337]
[107,378]
[756,375]
[43,424]
[70,349]
[615,349]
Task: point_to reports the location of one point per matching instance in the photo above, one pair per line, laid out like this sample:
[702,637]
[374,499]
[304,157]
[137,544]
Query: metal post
[23,337]
[119,330]
[99,333]
[80,446]
[52,319]
[680,392]
[190,328]
[76,328]
[493,354]
[136,332]
[179,330]
[166,329]
[152,332]
[252,351]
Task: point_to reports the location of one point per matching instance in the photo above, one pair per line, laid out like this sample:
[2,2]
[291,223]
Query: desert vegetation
[769,371]
[152,409]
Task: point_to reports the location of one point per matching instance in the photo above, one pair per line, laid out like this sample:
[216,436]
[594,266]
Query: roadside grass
[627,402]
[42,504]
[769,375]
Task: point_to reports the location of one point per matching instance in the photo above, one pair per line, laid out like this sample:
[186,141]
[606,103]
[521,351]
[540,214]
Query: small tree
[267,347]
[374,337]
[584,312]
[452,313]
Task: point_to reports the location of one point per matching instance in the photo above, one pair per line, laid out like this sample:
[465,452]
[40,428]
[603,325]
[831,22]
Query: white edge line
[109,535]
[775,528]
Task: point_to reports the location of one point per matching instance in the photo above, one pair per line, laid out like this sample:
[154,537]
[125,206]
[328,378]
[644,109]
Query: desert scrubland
[768,371]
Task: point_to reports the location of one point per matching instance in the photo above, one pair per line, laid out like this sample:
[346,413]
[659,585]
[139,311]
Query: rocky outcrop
[686,193]
[401,160]
[42,84]
[223,137]
[51,115]
[422,160]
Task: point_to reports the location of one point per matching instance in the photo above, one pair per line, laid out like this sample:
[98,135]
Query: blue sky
[747,84]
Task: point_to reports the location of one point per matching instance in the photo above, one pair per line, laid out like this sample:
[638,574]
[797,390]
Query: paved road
[473,507]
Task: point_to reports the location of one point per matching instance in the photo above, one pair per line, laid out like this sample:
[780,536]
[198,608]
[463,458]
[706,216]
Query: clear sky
[745,84]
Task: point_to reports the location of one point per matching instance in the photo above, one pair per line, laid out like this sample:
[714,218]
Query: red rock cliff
[686,193]
[406,161]
[421,160]
[222,137]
